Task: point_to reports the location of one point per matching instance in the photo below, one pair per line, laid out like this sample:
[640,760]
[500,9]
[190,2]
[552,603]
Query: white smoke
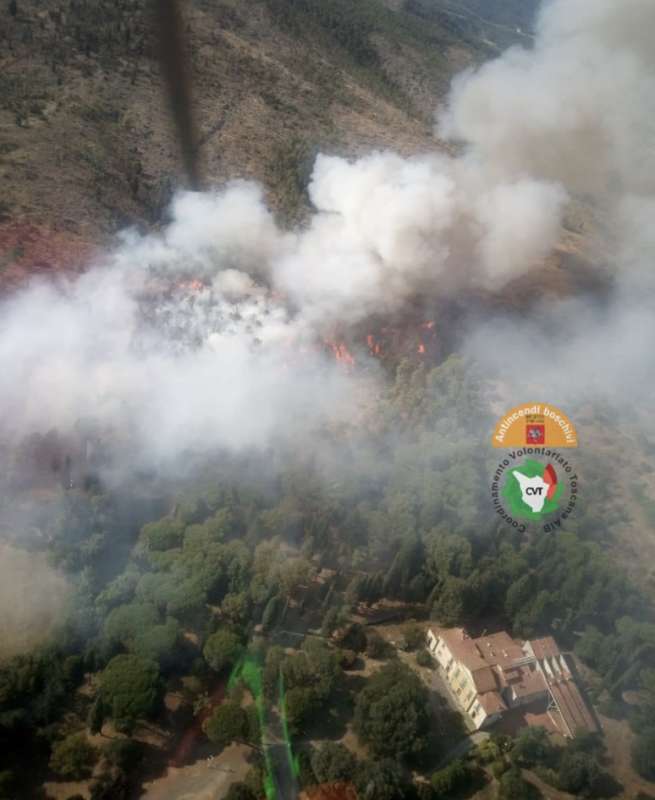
[388,227]
[236,360]
[33,597]
[167,368]
[577,110]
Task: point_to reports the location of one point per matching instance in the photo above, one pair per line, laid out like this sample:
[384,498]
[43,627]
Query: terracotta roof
[486,651]
[485,680]
[545,648]
[499,648]
[524,681]
[492,702]
[497,662]
[462,647]
[572,707]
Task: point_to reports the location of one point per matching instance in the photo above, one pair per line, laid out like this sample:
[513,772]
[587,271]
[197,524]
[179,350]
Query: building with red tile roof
[494,673]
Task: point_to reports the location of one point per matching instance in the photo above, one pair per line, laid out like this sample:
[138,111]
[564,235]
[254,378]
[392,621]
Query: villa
[490,675]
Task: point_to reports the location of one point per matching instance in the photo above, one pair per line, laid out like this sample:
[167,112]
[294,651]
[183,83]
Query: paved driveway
[463,746]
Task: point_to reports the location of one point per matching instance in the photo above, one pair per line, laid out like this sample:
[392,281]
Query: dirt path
[208,779]
[619,738]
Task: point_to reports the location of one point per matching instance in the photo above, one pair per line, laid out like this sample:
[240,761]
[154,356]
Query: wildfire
[193,285]
[418,338]
[428,327]
[373,345]
[341,353]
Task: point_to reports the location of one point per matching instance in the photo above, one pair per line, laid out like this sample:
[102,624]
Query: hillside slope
[86,141]
[87,144]
[515,13]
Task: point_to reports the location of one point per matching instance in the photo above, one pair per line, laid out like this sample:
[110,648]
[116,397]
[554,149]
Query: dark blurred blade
[177,74]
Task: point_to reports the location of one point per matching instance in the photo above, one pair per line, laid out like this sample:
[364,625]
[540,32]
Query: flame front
[374,346]
[342,353]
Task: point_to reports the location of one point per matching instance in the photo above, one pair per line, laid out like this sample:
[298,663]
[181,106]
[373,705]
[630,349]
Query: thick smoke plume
[578,111]
[209,334]
[32,598]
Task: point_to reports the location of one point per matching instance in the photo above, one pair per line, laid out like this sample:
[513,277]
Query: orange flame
[194,285]
[341,353]
[373,346]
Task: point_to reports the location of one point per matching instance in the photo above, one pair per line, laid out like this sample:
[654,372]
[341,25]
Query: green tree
[255,778]
[239,791]
[415,637]
[532,747]
[119,591]
[424,659]
[333,762]
[377,647]
[331,621]
[453,779]
[391,713]
[536,615]
[160,643]
[353,637]
[424,791]
[578,772]
[406,564]
[125,754]
[519,594]
[448,555]
[235,608]
[643,754]
[228,723]
[294,573]
[156,588]
[301,704]
[513,786]
[381,780]
[187,600]
[222,649]
[96,716]
[73,757]
[450,606]
[112,785]
[590,646]
[271,611]
[126,622]
[163,535]
[190,510]
[356,590]
[321,662]
[130,688]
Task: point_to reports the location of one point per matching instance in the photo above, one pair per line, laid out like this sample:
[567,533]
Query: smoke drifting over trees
[217,481]
[32,598]
[205,335]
